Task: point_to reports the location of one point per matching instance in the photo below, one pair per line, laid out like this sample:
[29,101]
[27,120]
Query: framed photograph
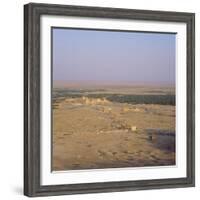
[109,99]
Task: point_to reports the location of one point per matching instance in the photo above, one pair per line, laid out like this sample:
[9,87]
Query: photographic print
[113,99]
[109,99]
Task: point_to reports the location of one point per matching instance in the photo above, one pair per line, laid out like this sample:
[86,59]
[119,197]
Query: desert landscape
[113,99]
[112,126]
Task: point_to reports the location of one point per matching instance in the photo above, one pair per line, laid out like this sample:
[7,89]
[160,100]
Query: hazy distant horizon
[107,57]
[99,84]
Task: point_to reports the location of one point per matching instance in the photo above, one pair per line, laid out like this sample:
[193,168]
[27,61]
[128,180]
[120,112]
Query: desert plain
[112,126]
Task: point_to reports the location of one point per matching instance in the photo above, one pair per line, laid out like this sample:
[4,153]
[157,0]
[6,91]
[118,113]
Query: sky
[113,56]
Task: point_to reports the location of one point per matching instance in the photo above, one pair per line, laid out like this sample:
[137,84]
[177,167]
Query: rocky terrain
[91,133]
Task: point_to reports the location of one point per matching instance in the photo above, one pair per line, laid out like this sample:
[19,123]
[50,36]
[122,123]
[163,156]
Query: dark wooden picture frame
[32,14]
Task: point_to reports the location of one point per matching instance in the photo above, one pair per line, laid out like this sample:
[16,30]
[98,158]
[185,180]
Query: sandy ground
[88,135]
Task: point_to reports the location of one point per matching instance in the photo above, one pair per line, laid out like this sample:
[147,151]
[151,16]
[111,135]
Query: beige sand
[91,133]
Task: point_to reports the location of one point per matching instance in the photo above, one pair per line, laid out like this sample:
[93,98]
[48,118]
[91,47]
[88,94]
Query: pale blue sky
[91,55]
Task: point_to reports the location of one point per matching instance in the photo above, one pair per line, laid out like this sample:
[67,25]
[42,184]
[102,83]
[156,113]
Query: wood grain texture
[32,13]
